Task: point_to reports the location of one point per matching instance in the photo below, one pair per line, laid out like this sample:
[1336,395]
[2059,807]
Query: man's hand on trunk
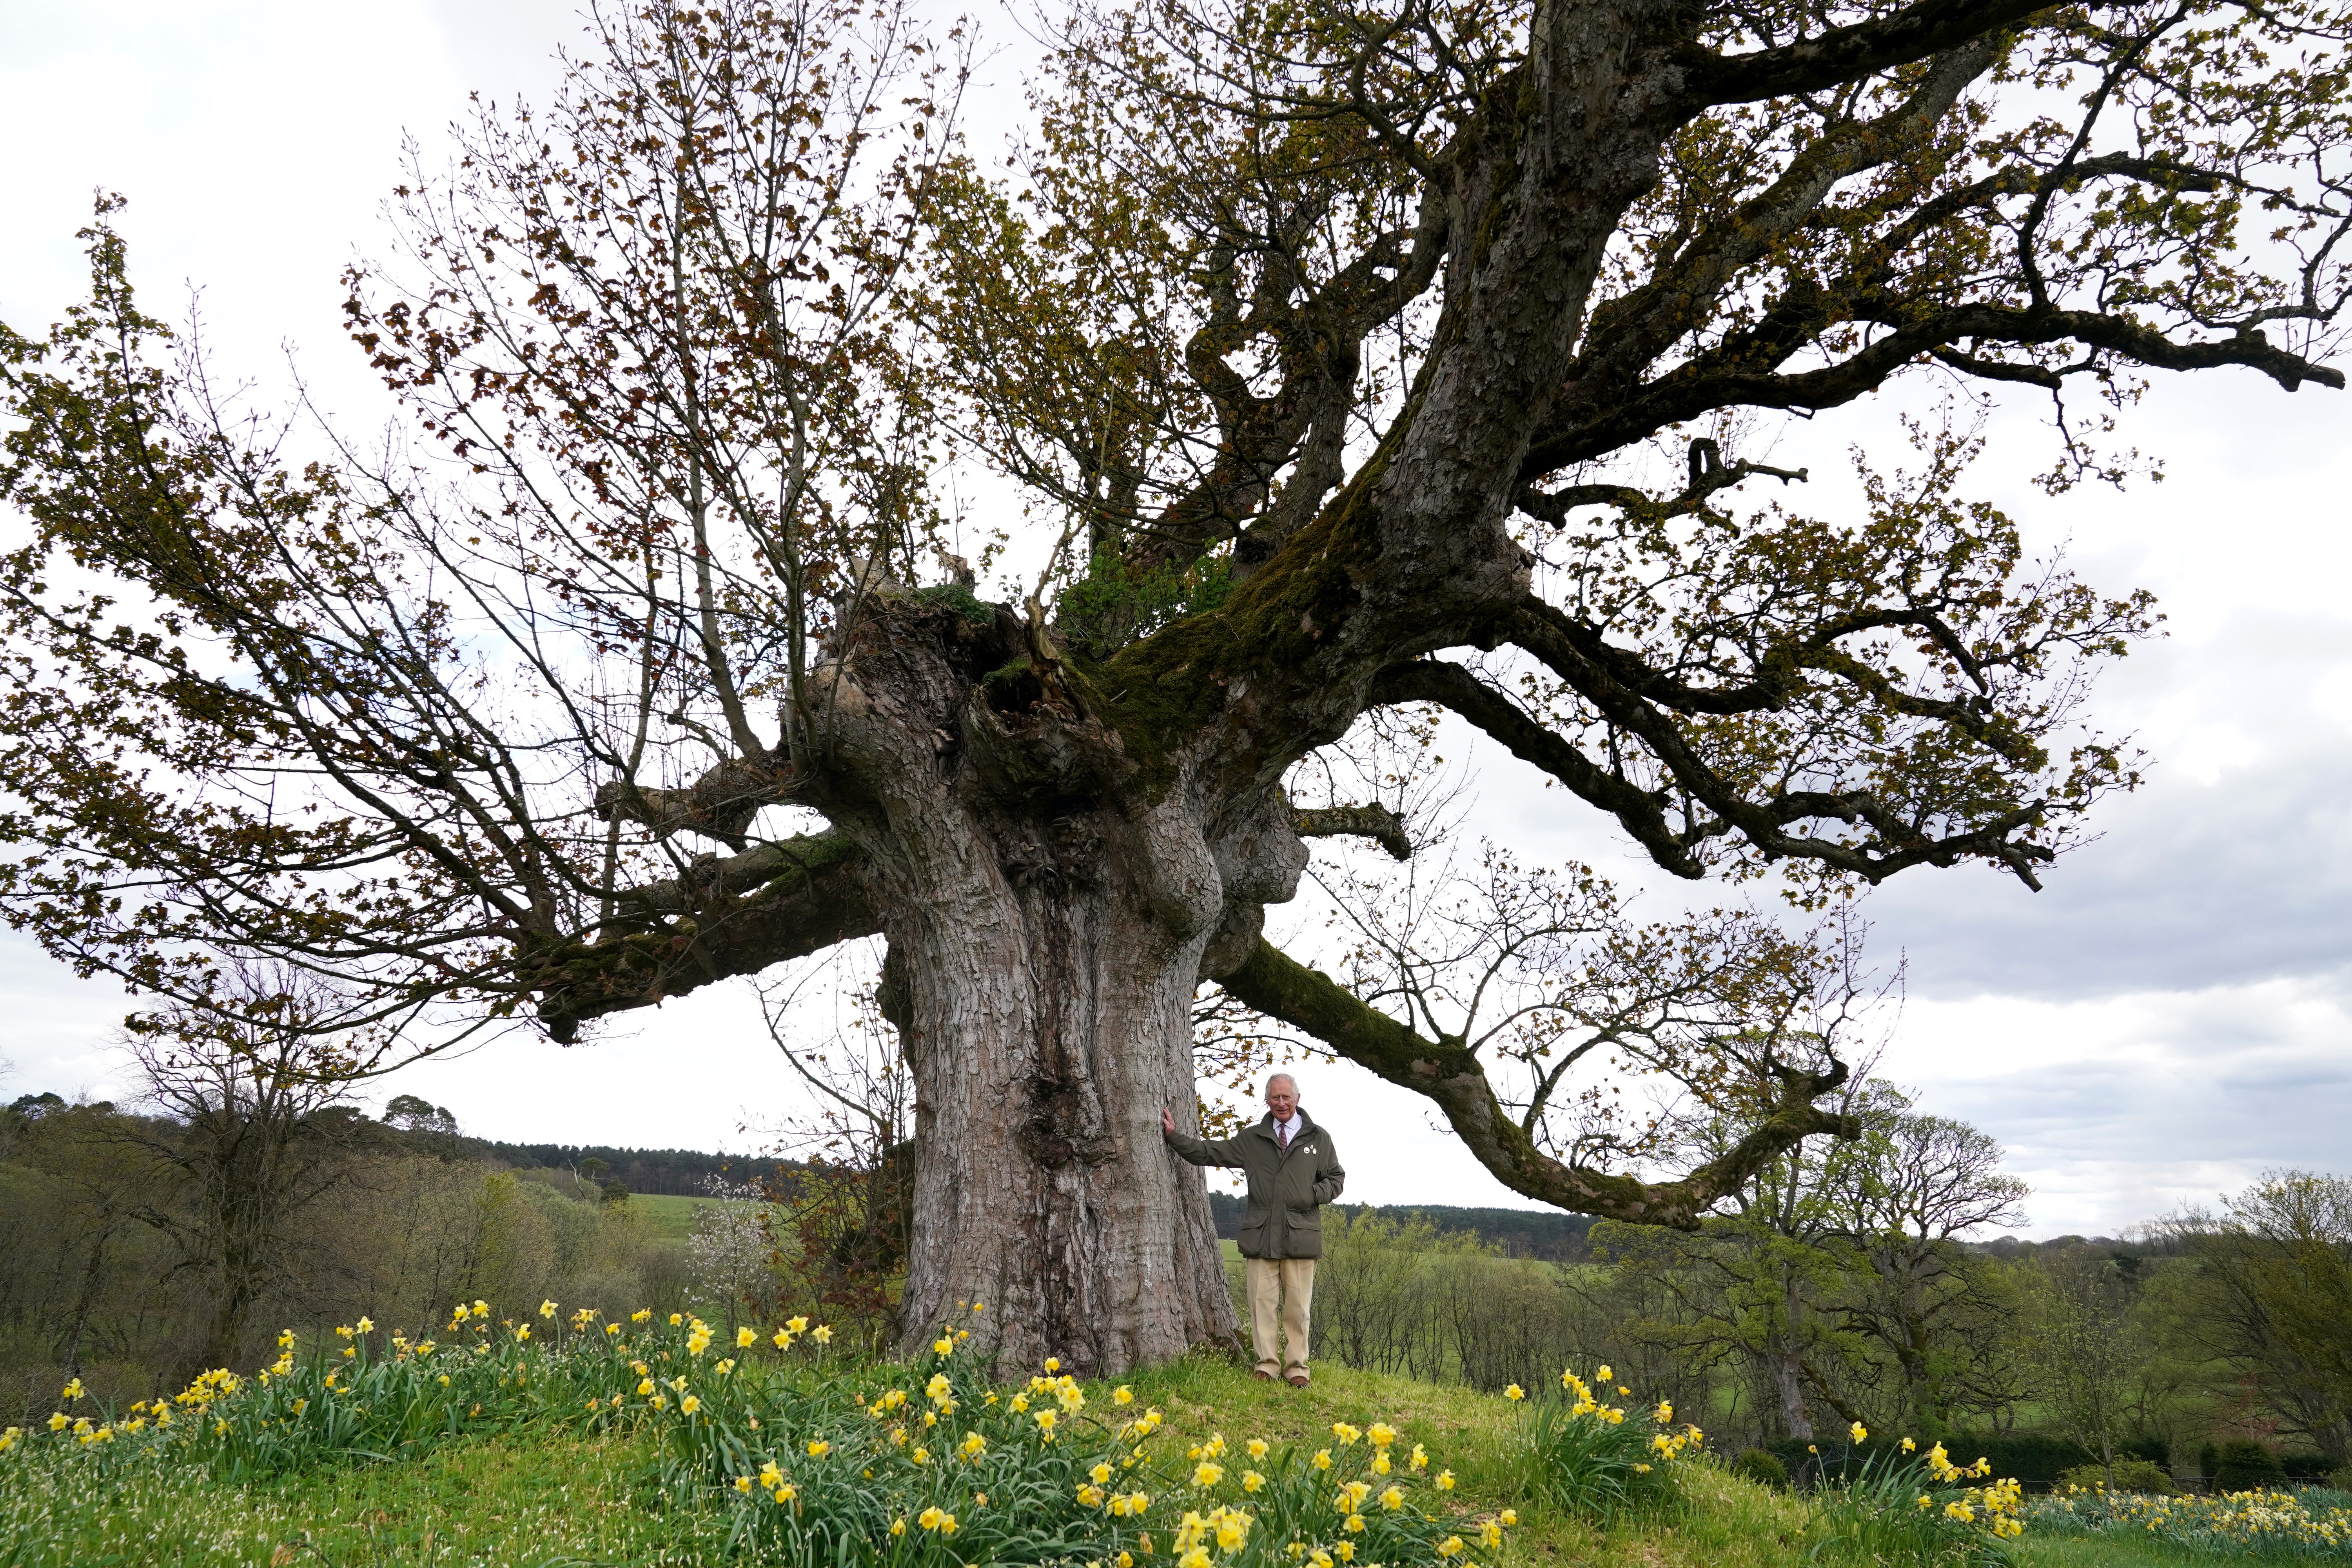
[1167,1120]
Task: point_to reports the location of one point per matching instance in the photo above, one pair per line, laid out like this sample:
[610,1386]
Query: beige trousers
[1290,1281]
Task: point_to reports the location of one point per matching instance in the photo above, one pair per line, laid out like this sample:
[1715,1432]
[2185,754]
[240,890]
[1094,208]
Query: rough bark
[1047,1020]
[1048,905]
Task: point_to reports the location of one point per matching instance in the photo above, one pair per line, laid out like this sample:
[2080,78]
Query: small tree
[2083,1351]
[1906,1196]
[2266,1299]
[249,1135]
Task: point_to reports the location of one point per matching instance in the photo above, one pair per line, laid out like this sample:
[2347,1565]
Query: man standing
[1293,1171]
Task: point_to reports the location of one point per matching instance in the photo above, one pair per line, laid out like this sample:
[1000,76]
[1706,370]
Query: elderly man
[1293,1171]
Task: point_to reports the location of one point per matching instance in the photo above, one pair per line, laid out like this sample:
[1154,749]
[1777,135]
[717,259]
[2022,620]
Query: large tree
[1336,352]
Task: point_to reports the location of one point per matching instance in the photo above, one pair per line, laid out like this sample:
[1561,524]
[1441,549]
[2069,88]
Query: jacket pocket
[1250,1238]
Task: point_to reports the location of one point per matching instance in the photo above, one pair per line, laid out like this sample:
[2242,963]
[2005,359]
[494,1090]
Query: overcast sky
[2170,1019]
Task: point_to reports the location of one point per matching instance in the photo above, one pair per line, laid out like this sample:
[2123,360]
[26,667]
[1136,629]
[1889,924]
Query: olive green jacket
[1286,1189]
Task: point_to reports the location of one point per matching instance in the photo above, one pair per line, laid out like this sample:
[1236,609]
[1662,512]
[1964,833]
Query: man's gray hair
[1272,1079]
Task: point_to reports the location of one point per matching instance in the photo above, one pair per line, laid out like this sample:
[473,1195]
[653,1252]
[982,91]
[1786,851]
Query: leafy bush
[2130,1476]
[1116,603]
[1763,1468]
[1584,1459]
[2245,1467]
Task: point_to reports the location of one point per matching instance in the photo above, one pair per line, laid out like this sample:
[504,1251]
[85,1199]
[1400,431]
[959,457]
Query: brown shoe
[1297,1380]
[1262,1374]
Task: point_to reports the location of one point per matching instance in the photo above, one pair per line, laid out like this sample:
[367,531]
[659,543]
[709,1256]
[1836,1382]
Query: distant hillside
[674,1172]
[1522,1233]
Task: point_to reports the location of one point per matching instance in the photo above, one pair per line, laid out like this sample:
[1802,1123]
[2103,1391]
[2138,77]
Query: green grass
[544,1499]
[548,1499]
[668,1218]
[2081,1552]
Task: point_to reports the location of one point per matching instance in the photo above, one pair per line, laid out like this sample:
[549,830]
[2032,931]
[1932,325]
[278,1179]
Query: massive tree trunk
[1044,1008]
[1788,1388]
[1050,907]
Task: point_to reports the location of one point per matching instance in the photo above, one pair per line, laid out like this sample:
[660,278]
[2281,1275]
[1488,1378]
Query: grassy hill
[539,1492]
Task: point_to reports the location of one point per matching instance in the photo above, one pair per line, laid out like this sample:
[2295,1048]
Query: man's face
[1282,1098]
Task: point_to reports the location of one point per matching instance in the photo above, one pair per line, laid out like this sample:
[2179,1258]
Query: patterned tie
[1282,1137]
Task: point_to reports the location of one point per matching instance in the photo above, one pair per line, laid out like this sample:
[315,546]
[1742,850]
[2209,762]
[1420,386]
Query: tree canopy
[1352,365]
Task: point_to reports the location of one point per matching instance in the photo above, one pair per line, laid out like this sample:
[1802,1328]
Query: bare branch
[1450,1075]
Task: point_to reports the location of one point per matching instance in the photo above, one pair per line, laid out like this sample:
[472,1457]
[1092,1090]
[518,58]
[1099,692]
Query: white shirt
[1285,1132]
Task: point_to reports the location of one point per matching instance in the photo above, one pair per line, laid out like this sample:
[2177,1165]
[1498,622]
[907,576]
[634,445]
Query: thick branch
[1377,823]
[1709,474]
[1451,1076]
[723,917]
[1643,813]
[720,805]
[1843,54]
[1739,374]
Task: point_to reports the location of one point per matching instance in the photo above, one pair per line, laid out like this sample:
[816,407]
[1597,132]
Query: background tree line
[145,1242]
[1844,1285]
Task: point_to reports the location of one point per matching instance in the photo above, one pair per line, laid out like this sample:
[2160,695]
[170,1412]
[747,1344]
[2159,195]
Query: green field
[668,1219]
